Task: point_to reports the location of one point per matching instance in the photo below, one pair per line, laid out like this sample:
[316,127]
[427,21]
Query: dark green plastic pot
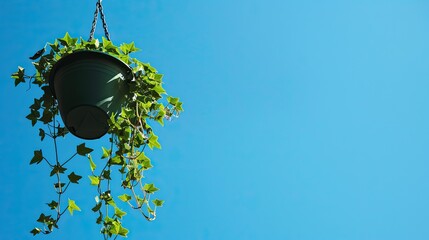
[89,86]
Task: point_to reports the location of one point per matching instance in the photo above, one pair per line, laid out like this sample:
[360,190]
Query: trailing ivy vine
[124,159]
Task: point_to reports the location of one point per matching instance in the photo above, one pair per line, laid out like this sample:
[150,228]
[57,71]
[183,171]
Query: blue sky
[304,120]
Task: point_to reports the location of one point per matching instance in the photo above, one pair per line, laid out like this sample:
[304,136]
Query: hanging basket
[89,86]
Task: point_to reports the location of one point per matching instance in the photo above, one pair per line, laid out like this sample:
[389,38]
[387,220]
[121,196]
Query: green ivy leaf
[53,205]
[55,46]
[150,188]
[158,202]
[125,197]
[91,163]
[150,210]
[97,207]
[74,178]
[94,180]
[116,226]
[179,107]
[172,100]
[127,113]
[106,174]
[109,47]
[58,185]
[19,76]
[119,213]
[82,150]
[146,105]
[159,89]
[148,68]
[158,77]
[57,169]
[160,116]
[99,220]
[72,206]
[96,43]
[35,231]
[141,201]
[37,158]
[92,45]
[111,202]
[42,134]
[123,232]
[33,116]
[46,116]
[36,105]
[68,41]
[117,160]
[141,157]
[108,220]
[144,161]
[147,165]
[106,152]
[153,141]
[128,48]
[124,48]
[126,184]
[43,218]
[62,131]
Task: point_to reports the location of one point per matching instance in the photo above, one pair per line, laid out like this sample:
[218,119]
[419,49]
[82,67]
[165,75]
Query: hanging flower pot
[89,86]
[98,87]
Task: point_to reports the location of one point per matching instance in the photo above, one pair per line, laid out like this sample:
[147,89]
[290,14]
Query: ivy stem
[74,155]
[135,197]
[57,173]
[65,189]
[50,165]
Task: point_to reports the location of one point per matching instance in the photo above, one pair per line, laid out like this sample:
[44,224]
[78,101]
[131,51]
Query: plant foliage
[124,161]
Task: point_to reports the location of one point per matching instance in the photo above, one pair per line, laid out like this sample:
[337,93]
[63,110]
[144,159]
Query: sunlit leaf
[91,163]
[119,213]
[125,197]
[94,180]
[150,188]
[67,40]
[153,142]
[158,202]
[106,153]
[123,232]
[72,206]
[172,100]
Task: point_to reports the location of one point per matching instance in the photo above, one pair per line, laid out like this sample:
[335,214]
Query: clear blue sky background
[304,120]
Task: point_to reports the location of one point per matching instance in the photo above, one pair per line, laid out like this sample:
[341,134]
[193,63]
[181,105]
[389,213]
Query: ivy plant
[124,159]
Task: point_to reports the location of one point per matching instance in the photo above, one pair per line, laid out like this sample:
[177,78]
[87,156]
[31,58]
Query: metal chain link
[106,31]
[99,8]
[94,24]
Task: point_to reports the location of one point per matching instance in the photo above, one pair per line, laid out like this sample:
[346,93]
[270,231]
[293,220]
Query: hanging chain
[99,8]
[106,31]
[94,24]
